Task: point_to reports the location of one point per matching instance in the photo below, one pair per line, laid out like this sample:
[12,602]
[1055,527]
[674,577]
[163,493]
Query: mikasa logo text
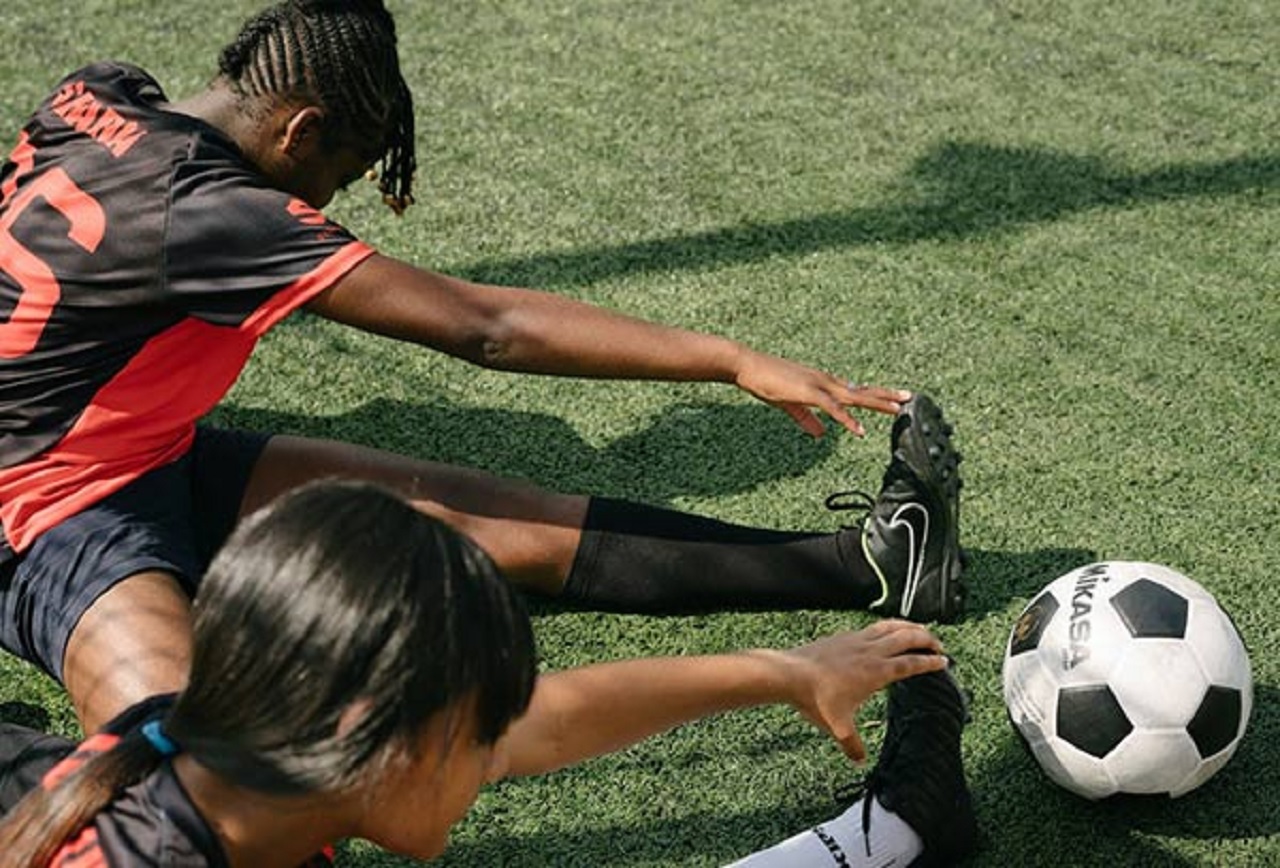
[1079,630]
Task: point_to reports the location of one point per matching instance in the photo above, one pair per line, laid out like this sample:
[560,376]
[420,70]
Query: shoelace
[865,788]
[860,501]
[909,767]
[850,501]
[848,794]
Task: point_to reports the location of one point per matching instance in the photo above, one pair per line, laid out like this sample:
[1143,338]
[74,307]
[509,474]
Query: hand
[796,389]
[835,675]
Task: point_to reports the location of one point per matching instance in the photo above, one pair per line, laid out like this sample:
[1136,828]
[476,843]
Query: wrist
[781,676]
[733,357]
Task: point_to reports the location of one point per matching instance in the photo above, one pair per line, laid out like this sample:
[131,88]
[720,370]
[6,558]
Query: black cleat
[919,774]
[911,535]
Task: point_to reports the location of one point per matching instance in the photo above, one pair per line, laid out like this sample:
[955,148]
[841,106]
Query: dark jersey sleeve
[141,258]
[26,756]
[234,244]
[150,823]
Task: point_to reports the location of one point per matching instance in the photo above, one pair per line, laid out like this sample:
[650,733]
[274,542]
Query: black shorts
[172,519]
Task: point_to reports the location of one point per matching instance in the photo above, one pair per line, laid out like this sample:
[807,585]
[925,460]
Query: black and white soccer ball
[1126,677]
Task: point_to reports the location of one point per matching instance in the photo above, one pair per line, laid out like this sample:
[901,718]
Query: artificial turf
[1060,220]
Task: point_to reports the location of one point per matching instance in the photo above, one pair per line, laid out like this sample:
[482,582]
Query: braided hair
[341,53]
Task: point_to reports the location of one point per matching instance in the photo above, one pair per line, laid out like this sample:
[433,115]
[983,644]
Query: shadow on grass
[1041,822]
[1241,801]
[650,841]
[687,450]
[1026,820]
[25,714]
[994,577]
[957,190]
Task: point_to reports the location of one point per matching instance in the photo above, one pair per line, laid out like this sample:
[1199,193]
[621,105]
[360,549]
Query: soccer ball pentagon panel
[1126,677]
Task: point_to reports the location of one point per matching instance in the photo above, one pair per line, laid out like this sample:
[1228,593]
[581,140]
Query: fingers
[784,384]
[850,742]
[845,668]
[877,398]
[882,643]
[800,390]
[901,637]
[843,729]
[836,410]
[804,417]
[838,396]
[909,665]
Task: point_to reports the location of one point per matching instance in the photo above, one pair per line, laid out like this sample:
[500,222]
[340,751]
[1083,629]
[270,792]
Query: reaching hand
[835,675]
[798,391]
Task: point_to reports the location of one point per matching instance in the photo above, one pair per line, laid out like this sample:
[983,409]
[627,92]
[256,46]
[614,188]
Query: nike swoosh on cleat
[915,518]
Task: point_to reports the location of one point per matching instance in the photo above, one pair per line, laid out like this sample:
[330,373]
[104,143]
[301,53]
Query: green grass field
[1060,219]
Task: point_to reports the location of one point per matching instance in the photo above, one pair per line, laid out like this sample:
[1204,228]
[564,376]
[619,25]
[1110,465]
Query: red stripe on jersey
[307,287]
[306,214]
[145,416]
[88,749]
[82,851]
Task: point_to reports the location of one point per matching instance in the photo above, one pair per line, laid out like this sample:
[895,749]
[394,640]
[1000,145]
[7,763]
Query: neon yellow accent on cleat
[884,583]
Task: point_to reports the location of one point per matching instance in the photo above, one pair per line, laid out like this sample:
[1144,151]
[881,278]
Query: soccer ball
[1126,677]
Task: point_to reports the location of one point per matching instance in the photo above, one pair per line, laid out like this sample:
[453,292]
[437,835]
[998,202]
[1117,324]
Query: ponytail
[338,595]
[49,817]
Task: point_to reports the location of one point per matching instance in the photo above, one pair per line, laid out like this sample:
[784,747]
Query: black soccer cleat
[911,535]
[919,774]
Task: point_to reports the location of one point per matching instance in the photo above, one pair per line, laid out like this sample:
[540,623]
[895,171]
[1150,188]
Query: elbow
[497,345]
[494,352]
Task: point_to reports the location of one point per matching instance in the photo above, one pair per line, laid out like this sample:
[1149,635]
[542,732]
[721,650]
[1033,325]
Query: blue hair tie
[164,745]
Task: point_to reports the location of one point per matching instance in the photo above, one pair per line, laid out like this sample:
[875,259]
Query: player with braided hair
[146,245]
[347,60]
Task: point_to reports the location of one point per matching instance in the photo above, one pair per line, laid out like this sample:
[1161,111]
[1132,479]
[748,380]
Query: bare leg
[531,533]
[133,643]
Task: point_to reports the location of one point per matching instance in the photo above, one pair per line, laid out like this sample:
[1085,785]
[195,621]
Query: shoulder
[106,738]
[150,823]
[120,74]
[115,106]
[132,83]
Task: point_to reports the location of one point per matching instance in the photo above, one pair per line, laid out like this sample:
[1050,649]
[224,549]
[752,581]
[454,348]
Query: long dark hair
[341,53]
[339,596]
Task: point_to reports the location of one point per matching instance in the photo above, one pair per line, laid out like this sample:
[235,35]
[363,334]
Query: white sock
[839,843]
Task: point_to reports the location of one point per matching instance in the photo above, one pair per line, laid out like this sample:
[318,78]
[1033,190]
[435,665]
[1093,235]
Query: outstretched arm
[525,330]
[581,713]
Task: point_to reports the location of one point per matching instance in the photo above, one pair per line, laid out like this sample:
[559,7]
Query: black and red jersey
[152,823]
[141,258]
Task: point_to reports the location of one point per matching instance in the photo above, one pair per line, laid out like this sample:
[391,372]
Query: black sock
[639,558]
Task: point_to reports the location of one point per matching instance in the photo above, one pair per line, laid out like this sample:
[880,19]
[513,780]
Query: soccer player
[146,244]
[322,706]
